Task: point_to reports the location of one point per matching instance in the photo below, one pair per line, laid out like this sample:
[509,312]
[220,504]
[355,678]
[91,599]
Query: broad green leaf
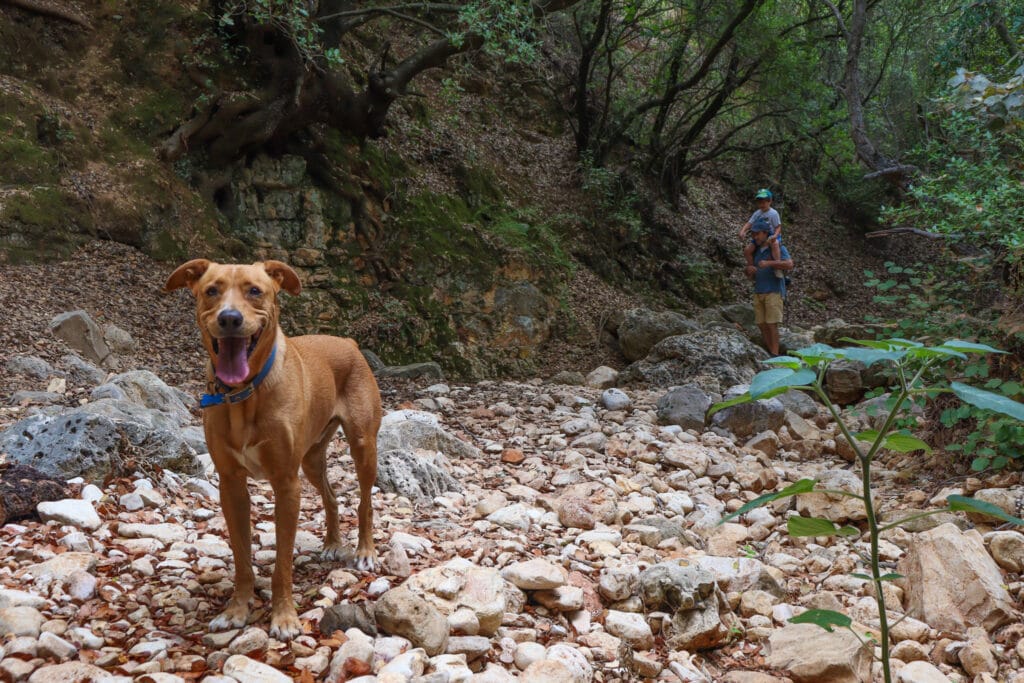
[815,353]
[868,435]
[810,526]
[802,486]
[744,398]
[935,352]
[871,356]
[790,362]
[824,618]
[848,531]
[962,503]
[979,464]
[988,400]
[780,378]
[904,343]
[881,344]
[969,347]
[905,443]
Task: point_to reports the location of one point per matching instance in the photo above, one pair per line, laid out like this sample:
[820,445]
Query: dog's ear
[285,277]
[187,274]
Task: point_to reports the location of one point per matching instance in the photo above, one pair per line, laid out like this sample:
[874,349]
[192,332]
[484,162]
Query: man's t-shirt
[765,280]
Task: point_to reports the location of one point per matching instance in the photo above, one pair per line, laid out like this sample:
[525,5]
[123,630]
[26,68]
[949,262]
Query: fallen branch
[50,9]
[898,170]
[913,231]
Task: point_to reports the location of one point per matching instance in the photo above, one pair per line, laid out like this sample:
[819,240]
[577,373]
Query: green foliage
[912,361]
[506,27]
[933,301]
[993,440]
[291,18]
[970,186]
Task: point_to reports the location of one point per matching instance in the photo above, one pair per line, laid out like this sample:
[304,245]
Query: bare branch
[50,9]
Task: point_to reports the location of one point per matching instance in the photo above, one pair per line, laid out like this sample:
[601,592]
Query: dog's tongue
[232,363]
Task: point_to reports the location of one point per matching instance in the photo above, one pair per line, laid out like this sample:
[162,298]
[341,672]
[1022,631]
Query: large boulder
[458,583]
[642,328]
[833,331]
[753,417]
[685,406]
[951,582]
[696,603]
[843,381]
[94,440]
[418,476]
[723,354]
[81,333]
[410,431]
[834,506]
[810,654]
[402,612]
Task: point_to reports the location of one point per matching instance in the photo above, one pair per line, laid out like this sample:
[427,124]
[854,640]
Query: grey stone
[78,513]
[428,370]
[82,334]
[835,329]
[799,402]
[843,381]
[349,615]
[81,371]
[416,434]
[952,583]
[753,417]
[700,628]
[118,340]
[616,399]
[148,390]
[373,360]
[602,377]
[725,355]
[642,328]
[685,406]
[570,378]
[90,441]
[810,654]
[670,586]
[20,621]
[30,366]
[408,474]
[39,398]
[403,613]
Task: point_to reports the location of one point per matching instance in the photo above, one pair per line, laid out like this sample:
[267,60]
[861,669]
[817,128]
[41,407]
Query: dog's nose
[230,320]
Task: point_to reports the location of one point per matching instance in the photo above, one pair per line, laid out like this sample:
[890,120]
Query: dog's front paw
[337,552]
[285,626]
[366,560]
[235,616]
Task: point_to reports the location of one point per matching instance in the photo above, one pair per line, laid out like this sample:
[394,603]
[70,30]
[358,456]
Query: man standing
[769,290]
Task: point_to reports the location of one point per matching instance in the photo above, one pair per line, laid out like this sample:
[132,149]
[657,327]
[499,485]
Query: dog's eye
[212,291]
[255,291]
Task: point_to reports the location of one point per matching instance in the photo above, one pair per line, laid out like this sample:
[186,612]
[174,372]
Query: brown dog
[275,404]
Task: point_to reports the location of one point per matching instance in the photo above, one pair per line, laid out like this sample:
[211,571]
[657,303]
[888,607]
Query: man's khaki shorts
[768,308]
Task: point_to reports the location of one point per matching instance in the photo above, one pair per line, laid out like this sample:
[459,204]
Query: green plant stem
[919,515]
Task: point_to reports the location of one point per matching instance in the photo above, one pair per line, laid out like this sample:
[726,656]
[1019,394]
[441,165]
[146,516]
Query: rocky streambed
[529,531]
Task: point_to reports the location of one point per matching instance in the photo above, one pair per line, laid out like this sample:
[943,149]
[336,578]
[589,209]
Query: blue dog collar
[240,394]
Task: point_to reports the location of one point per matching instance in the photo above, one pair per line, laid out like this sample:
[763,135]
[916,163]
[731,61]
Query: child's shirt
[771,215]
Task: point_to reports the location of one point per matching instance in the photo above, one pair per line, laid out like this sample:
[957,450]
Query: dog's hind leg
[362,439]
[314,466]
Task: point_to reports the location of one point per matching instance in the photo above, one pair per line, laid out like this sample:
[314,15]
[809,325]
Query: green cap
[763,193]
